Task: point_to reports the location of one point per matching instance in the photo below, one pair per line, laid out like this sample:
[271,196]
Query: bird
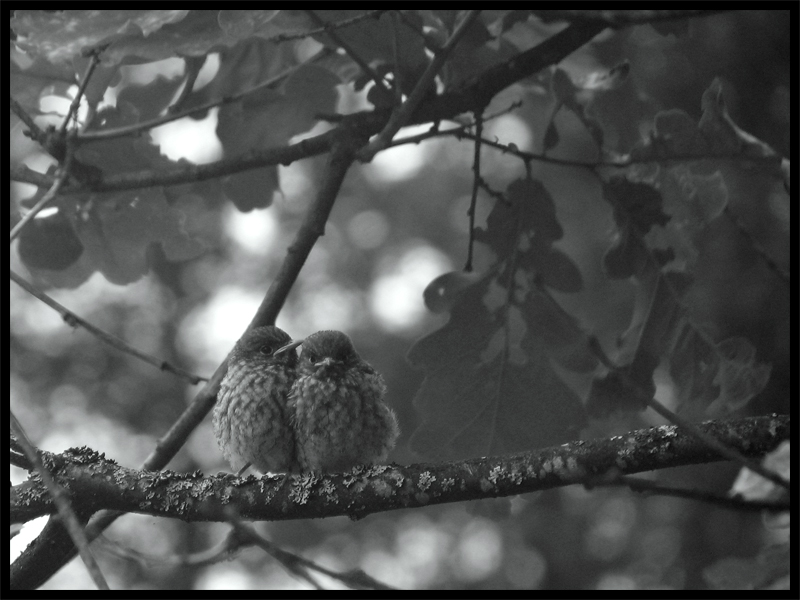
[251,418]
[337,409]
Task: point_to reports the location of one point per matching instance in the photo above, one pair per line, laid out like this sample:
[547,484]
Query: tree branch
[471,95]
[73,320]
[99,483]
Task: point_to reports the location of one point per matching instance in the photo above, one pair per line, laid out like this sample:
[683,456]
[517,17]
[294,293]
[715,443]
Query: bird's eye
[266,350]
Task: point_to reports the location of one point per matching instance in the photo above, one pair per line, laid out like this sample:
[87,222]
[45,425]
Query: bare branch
[97,483]
[61,177]
[74,320]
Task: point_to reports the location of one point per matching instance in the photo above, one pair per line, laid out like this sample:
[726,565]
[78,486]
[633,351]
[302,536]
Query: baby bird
[251,418]
[339,416]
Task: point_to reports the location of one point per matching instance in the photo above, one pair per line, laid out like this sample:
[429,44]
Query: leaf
[442,293]
[720,378]
[242,68]
[454,343]
[693,368]
[152,98]
[692,201]
[49,242]
[31,76]
[378,39]
[739,377]
[241,24]
[555,269]
[551,137]
[752,486]
[530,211]
[116,229]
[63,35]
[490,386]
[117,235]
[638,208]
[577,98]
[656,321]
[558,332]
[474,407]
[271,118]
[251,189]
[476,53]
[676,135]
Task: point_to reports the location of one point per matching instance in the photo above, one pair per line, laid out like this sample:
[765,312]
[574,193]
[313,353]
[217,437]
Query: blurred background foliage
[398,223]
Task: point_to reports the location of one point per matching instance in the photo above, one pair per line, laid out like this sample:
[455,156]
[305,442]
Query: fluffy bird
[339,416]
[251,418]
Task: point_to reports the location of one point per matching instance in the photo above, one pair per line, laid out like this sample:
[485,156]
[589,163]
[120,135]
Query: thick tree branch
[99,483]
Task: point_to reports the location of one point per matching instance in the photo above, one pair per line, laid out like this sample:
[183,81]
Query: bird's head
[326,348]
[262,343]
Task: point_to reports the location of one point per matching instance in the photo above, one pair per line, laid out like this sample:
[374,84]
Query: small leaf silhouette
[49,242]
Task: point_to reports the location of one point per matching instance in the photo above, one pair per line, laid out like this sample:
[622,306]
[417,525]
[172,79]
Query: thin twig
[61,500]
[626,161]
[297,565]
[731,502]
[223,550]
[76,101]
[397,87]
[24,174]
[430,44]
[620,18]
[74,320]
[186,174]
[401,115]
[136,128]
[61,177]
[285,37]
[457,132]
[192,67]
[313,226]
[36,133]
[476,179]
[499,196]
[756,246]
[709,440]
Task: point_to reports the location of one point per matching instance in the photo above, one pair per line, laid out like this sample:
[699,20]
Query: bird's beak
[290,346]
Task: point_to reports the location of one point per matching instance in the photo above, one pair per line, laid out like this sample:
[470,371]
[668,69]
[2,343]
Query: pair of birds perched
[323,412]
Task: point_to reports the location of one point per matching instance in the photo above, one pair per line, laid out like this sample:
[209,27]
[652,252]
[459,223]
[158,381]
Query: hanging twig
[476,179]
[74,320]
